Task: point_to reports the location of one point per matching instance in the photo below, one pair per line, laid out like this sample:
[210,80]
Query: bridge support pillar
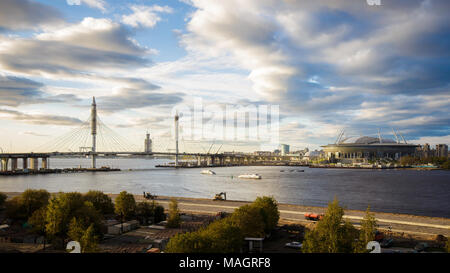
[5,164]
[24,163]
[34,163]
[45,163]
[13,164]
[209,160]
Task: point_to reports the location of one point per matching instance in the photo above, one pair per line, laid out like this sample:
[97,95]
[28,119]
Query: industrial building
[364,148]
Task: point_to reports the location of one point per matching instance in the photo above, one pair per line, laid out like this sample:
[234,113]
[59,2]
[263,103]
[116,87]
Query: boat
[250,176]
[207,172]
[300,171]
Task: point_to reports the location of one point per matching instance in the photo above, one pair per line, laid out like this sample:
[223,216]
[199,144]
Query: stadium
[365,148]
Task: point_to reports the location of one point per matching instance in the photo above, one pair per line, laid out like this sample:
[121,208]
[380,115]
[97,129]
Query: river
[414,192]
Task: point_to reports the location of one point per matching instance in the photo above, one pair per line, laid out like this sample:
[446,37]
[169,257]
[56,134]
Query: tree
[144,211]
[174,219]
[159,214]
[225,236]
[3,198]
[250,220]
[76,230]
[190,242]
[61,211]
[23,206]
[269,212]
[125,205]
[367,232]
[332,234]
[89,241]
[33,200]
[38,222]
[101,201]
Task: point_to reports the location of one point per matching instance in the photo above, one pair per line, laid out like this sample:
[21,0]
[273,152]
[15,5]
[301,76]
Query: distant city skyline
[328,65]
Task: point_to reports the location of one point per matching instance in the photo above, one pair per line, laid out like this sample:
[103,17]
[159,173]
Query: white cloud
[98,4]
[145,16]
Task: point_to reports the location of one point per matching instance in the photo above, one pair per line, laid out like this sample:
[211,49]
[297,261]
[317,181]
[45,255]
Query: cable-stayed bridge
[95,139]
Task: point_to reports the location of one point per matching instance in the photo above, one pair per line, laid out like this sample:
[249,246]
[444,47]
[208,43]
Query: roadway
[401,223]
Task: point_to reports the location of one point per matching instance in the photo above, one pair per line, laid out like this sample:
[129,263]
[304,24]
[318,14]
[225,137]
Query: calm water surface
[398,191]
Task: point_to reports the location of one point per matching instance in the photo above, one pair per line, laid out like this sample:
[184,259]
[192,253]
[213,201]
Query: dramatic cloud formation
[25,14]
[92,44]
[332,61]
[15,91]
[327,64]
[41,119]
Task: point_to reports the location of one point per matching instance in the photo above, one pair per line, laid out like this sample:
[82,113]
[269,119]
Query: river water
[397,191]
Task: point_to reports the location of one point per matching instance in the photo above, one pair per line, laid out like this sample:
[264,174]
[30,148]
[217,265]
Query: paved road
[410,224]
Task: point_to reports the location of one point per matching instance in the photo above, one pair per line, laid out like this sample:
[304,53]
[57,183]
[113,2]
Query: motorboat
[250,176]
[207,172]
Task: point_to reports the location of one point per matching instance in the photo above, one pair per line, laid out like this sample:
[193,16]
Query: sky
[328,65]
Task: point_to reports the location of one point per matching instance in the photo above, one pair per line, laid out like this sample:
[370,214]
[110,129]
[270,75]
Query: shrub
[174,219]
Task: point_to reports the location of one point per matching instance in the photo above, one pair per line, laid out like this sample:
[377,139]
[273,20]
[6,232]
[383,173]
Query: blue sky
[327,64]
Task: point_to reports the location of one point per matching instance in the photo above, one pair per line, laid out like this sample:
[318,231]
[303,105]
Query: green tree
[125,205]
[102,202]
[174,219]
[89,240]
[159,214]
[367,231]
[38,222]
[225,236]
[250,220]
[144,211]
[76,230]
[190,242]
[332,234]
[62,209]
[446,165]
[3,198]
[22,207]
[269,212]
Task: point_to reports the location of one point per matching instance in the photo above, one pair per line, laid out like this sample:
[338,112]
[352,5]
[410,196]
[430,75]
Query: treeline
[227,235]
[75,216]
[442,162]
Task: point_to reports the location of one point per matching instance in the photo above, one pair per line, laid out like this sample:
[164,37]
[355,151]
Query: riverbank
[413,225]
[53,171]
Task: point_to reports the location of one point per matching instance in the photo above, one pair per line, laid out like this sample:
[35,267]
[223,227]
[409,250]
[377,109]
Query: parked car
[296,245]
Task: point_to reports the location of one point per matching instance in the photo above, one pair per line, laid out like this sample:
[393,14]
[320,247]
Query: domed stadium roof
[365,140]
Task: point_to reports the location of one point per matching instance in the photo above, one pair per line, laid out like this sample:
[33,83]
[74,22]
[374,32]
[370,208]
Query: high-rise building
[442,150]
[148,144]
[426,150]
[284,149]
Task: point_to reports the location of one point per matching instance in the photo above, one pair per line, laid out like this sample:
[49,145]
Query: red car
[314,216]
